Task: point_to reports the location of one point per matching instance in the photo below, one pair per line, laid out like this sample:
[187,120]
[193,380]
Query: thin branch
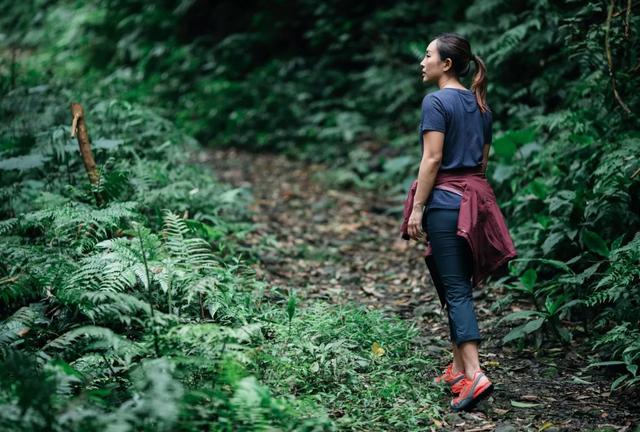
[626,20]
[80,132]
[610,61]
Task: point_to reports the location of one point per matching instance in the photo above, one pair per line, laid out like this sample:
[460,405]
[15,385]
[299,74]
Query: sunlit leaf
[377,350]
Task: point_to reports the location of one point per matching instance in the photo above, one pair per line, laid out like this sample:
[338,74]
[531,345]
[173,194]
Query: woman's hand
[414,227]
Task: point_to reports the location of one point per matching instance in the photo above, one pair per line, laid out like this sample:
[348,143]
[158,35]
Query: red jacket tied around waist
[480,221]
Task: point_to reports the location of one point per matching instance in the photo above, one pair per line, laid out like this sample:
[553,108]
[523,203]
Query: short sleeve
[433,115]
[488,120]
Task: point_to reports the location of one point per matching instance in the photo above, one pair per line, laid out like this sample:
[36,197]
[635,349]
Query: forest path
[341,246]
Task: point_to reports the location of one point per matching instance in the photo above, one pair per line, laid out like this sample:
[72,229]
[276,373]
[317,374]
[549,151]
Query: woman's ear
[447,64]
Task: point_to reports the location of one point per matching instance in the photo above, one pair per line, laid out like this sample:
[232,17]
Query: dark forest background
[137,311]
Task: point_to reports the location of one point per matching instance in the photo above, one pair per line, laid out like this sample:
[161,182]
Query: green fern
[100,338]
[190,252]
[15,327]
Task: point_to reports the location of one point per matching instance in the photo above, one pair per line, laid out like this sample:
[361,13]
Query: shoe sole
[483,395]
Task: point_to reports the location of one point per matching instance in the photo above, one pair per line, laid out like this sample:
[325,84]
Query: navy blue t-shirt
[466,129]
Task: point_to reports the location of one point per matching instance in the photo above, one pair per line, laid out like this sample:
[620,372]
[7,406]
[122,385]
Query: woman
[454,209]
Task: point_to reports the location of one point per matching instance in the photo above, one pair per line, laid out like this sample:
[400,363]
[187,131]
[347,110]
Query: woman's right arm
[485,157]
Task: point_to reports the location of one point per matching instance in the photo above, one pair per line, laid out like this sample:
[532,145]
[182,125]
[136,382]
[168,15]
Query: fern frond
[17,325]
[189,252]
[101,338]
[8,225]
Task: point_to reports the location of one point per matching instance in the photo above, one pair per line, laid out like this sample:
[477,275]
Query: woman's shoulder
[436,94]
[434,98]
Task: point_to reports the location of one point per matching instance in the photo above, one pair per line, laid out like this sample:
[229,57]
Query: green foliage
[108,310]
[328,354]
[563,168]
[141,312]
[624,343]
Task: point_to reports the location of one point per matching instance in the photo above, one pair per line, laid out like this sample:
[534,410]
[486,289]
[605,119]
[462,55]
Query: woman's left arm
[429,165]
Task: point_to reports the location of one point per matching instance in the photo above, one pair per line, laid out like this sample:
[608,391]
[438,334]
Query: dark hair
[457,48]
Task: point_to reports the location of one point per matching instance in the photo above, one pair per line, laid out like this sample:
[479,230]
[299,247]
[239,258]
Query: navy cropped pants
[454,265]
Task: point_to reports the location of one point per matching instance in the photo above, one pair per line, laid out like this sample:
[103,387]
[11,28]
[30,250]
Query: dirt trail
[342,246]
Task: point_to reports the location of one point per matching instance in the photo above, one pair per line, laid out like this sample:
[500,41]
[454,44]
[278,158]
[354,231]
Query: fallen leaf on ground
[524,404]
[487,427]
[371,291]
[377,350]
[545,426]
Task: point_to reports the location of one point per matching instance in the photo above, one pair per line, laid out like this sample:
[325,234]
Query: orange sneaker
[457,387]
[449,376]
[472,392]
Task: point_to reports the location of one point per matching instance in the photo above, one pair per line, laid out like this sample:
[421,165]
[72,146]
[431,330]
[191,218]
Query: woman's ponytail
[458,49]
[479,83]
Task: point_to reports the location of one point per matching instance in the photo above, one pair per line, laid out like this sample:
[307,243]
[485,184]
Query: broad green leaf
[534,325]
[539,189]
[570,304]
[523,330]
[504,146]
[554,263]
[67,369]
[618,381]
[543,220]
[508,143]
[617,242]
[551,241]
[514,334]
[606,363]
[501,172]
[528,279]
[551,305]
[519,315]
[595,243]
[527,149]
[565,334]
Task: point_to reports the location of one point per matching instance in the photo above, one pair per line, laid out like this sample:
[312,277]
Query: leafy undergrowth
[364,367]
[139,311]
[536,387]
[314,82]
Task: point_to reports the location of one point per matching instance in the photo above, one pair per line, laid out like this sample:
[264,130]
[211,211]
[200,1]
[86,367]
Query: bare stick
[79,130]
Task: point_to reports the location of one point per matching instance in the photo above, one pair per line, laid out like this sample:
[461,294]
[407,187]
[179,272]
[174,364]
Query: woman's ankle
[470,372]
